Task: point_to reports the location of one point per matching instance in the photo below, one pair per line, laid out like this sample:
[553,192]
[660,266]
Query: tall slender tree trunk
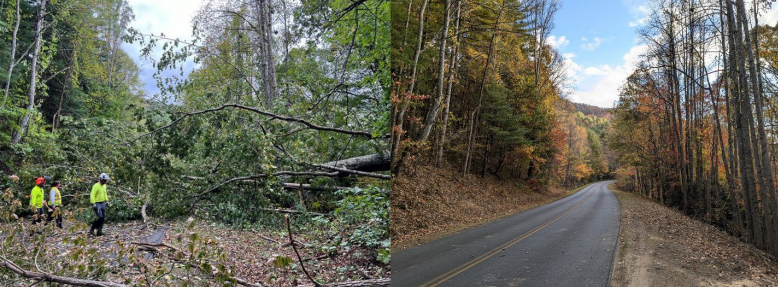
[433,113]
[452,71]
[25,121]
[12,62]
[474,114]
[397,157]
[742,105]
[679,118]
[268,62]
[764,172]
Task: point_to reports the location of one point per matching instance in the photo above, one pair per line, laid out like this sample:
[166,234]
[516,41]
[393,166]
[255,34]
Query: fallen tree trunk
[383,282]
[54,278]
[296,186]
[369,163]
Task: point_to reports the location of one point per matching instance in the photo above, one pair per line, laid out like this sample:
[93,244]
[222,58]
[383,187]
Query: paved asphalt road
[569,242]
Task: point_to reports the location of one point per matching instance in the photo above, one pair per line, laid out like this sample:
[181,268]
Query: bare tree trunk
[452,71]
[397,157]
[17,137]
[12,63]
[433,113]
[764,173]
[268,63]
[742,137]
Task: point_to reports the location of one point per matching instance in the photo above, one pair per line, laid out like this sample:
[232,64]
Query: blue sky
[598,39]
[600,45]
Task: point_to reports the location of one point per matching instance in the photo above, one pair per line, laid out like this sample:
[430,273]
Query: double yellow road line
[462,268]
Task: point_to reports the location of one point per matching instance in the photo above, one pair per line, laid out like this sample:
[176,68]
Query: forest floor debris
[430,203]
[659,246]
[255,256]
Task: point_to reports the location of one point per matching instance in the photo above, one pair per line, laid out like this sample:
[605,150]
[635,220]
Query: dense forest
[695,124]
[281,131]
[477,88]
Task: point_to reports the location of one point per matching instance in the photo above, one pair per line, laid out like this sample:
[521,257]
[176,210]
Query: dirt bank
[659,246]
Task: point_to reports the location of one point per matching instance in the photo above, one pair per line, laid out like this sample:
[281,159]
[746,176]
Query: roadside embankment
[659,246]
[433,202]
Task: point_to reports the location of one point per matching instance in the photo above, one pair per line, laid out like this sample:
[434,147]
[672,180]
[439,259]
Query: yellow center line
[456,271]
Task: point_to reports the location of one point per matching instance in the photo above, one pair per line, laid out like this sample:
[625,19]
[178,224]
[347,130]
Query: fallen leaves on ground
[659,246]
[431,202]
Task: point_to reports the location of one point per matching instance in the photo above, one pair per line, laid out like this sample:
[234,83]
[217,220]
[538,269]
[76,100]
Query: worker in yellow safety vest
[55,205]
[37,201]
[99,200]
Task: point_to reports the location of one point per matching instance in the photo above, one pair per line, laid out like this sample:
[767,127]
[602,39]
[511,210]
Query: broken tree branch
[199,196]
[306,123]
[294,247]
[54,278]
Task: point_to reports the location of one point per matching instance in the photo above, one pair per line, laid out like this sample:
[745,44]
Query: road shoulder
[659,246]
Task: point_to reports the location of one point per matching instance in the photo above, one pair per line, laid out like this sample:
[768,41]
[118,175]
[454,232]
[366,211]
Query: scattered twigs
[153,247]
[300,258]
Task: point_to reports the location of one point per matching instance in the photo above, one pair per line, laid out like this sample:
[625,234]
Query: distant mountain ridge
[590,110]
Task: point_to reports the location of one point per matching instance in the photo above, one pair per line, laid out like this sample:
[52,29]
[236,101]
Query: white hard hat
[104,176]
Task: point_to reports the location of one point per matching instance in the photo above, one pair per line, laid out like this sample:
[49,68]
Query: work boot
[100,232]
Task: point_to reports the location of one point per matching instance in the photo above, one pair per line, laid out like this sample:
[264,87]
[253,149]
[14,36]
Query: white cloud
[572,69]
[599,85]
[642,15]
[591,45]
[557,42]
[594,71]
[171,18]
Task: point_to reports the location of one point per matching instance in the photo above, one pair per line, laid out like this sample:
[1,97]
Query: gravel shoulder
[659,246]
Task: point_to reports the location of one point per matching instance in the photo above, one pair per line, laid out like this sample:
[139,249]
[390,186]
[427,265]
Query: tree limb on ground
[54,278]
[308,124]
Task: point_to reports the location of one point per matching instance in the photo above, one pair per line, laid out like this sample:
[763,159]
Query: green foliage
[368,209]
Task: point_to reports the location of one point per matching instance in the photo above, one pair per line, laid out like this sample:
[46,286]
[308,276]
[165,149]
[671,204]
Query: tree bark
[433,113]
[33,76]
[452,70]
[397,157]
[12,63]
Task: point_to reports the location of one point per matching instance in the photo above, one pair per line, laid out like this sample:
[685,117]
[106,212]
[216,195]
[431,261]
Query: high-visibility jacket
[98,193]
[57,200]
[36,197]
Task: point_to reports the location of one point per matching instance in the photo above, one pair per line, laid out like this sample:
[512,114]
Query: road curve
[569,242]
